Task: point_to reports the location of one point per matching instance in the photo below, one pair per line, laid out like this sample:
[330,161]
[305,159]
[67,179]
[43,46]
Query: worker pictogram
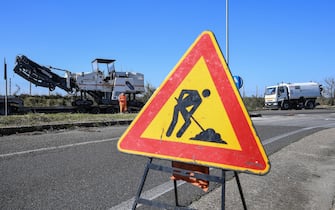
[187,103]
[192,100]
[197,116]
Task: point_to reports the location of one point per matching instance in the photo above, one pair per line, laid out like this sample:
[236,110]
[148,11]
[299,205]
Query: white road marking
[167,186]
[149,194]
[275,138]
[56,147]
[160,189]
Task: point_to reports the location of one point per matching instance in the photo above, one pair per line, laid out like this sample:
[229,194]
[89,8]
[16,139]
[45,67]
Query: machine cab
[106,66]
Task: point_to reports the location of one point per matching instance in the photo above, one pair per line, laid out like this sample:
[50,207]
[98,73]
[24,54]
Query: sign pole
[223,187]
[227,34]
[223,171]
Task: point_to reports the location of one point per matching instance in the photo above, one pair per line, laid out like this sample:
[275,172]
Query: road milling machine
[96,91]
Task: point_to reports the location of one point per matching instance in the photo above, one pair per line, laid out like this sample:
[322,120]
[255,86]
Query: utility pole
[5,77]
[227,34]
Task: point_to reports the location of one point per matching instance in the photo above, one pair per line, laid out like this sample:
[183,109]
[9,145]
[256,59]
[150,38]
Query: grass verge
[43,119]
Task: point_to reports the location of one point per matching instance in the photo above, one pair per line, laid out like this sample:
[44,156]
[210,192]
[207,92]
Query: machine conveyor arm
[41,75]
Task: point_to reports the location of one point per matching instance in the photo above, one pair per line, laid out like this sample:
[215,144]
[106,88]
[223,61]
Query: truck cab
[277,97]
[271,96]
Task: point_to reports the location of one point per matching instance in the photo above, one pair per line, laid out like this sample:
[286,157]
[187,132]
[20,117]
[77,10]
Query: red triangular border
[252,156]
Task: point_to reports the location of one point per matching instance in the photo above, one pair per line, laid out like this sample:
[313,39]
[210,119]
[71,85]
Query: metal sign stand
[207,177]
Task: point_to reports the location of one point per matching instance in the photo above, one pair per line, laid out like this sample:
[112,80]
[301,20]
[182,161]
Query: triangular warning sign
[197,116]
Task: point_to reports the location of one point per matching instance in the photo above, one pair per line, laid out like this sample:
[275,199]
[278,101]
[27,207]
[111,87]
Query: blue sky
[270,41]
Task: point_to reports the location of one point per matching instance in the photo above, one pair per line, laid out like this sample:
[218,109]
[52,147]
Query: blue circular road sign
[238,81]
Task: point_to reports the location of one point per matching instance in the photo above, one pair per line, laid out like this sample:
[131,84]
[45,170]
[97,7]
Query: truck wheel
[110,110]
[309,105]
[81,110]
[95,110]
[52,87]
[285,105]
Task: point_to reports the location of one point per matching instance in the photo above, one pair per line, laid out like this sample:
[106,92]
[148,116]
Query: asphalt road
[82,169]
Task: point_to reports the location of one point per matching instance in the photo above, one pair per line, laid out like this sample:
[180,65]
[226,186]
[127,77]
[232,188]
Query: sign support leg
[175,192]
[140,188]
[240,190]
[223,188]
[184,172]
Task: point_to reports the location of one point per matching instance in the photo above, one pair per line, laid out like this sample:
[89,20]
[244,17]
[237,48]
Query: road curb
[5,131]
[254,114]
[24,129]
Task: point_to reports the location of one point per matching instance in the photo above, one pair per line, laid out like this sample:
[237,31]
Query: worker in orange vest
[123,103]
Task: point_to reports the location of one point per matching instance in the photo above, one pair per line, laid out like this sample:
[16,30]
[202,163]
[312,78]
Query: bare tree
[18,88]
[149,90]
[330,89]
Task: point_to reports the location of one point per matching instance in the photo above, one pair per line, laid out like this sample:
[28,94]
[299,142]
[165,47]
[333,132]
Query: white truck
[292,95]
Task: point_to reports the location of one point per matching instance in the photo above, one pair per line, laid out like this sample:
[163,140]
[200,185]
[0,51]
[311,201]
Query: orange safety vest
[123,99]
[123,103]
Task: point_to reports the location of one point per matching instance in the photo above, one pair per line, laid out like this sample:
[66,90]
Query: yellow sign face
[208,115]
